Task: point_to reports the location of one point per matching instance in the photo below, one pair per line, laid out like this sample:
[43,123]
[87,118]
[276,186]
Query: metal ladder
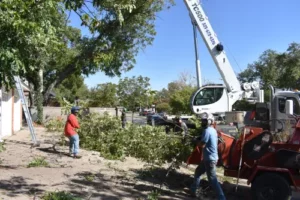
[25,109]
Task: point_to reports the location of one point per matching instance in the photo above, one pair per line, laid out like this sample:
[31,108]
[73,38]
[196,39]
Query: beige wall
[52,112]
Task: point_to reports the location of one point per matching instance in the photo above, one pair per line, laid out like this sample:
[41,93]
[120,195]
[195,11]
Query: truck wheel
[270,186]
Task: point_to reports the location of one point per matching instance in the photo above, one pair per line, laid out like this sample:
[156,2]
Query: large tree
[289,67]
[176,98]
[27,31]
[35,38]
[71,88]
[104,95]
[120,29]
[180,100]
[133,92]
[161,96]
[277,69]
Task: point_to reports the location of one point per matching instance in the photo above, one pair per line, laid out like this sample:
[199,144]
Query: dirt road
[91,177]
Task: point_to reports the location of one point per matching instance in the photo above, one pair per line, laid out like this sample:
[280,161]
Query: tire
[270,186]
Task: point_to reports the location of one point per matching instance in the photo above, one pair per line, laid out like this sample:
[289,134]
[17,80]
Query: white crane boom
[214,46]
[218,99]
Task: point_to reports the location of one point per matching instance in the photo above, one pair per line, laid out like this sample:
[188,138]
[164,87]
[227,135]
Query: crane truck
[269,164]
[218,99]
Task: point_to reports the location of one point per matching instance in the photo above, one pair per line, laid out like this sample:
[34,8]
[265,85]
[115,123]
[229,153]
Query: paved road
[141,120]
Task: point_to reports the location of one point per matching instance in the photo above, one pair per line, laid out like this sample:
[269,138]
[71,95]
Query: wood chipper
[271,167]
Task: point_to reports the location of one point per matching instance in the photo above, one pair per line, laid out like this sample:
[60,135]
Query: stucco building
[11,112]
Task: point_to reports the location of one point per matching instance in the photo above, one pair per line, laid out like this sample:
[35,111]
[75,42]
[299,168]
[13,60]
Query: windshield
[208,96]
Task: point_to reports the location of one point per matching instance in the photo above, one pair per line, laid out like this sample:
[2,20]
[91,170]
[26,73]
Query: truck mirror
[289,108]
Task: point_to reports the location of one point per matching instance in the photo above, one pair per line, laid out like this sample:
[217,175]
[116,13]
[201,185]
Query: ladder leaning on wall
[25,109]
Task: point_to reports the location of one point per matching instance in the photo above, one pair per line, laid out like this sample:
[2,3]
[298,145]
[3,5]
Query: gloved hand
[195,140]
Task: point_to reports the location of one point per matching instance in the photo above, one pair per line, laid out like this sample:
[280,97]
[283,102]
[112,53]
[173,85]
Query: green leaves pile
[104,133]
[55,124]
[150,144]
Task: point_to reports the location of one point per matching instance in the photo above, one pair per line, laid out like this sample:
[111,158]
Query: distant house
[11,112]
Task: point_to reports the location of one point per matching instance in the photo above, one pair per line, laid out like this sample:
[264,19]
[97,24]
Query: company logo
[198,12]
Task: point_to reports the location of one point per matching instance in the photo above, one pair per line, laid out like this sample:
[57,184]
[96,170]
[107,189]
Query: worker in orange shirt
[70,132]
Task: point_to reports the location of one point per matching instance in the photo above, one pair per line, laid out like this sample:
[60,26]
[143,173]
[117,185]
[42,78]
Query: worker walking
[183,126]
[123,117]
[70,132]
[208,142]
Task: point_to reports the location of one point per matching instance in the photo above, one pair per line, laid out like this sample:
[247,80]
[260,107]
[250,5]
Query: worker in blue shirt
[208,141]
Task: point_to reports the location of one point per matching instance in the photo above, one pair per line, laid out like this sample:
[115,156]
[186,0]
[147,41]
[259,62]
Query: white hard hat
[208,116]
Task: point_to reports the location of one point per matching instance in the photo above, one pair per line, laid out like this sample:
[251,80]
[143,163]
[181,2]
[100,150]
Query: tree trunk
[60,78]
[39,98]
[69,70]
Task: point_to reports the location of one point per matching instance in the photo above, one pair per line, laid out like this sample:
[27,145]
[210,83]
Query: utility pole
[198,71]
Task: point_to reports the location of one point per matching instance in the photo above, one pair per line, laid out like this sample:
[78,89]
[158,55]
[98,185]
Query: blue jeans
[74,144]
[210,168]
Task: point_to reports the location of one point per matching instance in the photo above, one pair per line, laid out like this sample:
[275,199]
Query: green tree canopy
[104,95]
[71,88]
[180,100]
[132,91]
[35,34]
[176,98]
[27,31]
[278,69]
[120,29]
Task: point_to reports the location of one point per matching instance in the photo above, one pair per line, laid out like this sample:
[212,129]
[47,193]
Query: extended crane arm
[214,46]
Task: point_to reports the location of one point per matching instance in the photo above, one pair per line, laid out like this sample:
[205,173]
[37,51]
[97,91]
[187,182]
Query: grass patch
[153,195]
[59,196]
[90,177]
[2,147]
[38,162]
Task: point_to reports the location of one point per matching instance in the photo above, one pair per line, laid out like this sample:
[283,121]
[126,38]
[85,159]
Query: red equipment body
[260,154]
[295,139]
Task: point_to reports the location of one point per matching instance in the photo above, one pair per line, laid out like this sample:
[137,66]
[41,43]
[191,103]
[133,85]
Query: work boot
[70,153]
[77,156]
[189,192]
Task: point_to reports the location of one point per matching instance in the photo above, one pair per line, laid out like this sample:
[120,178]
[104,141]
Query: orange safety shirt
[71,125]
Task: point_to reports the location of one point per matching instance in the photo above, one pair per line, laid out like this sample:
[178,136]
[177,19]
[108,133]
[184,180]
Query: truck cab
[273,115]
[210,98]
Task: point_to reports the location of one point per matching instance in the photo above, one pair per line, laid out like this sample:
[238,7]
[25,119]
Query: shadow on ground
[51,150]
[173,180]
[17,186]
[118,187]
[146,183]
[97,186]
[8,167]
[179,183]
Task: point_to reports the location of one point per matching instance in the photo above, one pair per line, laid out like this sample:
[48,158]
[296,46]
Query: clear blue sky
[246,28]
